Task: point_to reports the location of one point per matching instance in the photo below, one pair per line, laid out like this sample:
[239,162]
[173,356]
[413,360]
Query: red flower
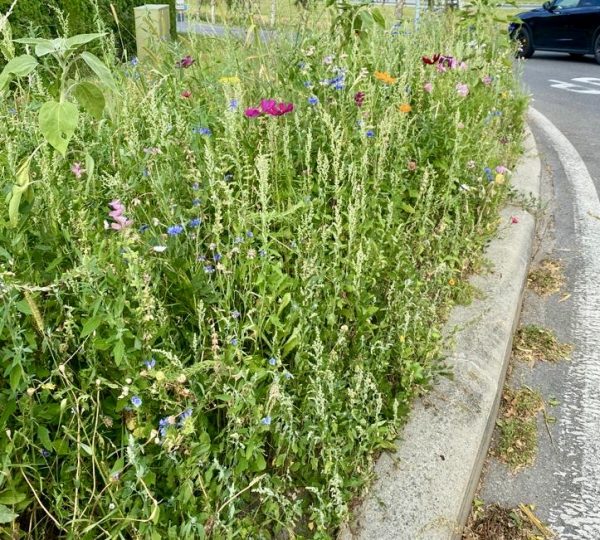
[359,98]
[433,60]
[186,94]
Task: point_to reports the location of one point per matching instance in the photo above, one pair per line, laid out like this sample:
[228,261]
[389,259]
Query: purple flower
[266,421]
[194,223]
[370,133]
[487,80]
[235,314]
[217,257]
[150,363]
[174,230]
[233,104]
[185,62]
[359,99]
[136,401]
[209,269]
[462,89]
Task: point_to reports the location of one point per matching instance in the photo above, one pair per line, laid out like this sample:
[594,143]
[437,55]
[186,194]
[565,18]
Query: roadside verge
[424,490]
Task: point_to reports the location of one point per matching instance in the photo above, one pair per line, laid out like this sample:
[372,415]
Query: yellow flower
[405,108]
[229,80]
[451,282]
[385,77]
[499,178]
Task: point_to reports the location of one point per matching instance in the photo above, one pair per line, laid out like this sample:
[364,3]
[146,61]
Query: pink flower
[462,66]
[186,94]
[501,169]
[428,87]
[514,220]
[185,62]
[462,89]
[77,170]
[487,80]
[412,165]
[252,112]
[119,220]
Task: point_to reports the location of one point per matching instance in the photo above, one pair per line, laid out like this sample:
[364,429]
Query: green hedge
[32,17]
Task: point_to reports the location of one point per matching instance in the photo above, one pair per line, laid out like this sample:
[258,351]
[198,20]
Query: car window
[589,3]
[565,4]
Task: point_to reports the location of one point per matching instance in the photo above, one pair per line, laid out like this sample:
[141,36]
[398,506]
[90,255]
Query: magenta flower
[252,112]
[185,62]
[77,170]
[462,89]
[359,99]
[428,87]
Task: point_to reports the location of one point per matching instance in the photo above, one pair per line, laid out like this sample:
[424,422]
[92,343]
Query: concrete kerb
[424,490]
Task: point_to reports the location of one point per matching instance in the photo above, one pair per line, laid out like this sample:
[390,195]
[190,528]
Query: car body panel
[567,26]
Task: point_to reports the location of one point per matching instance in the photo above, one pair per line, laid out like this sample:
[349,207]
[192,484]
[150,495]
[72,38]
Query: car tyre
[597,47]
[526,49]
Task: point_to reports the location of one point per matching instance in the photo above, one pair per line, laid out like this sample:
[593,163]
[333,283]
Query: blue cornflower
[313,100]
[370,133]
[262,252]
[339,86]
[200,258]
[134,61]
[301,65]
[12,111]
[150,363]
[228,177]
[238,240]
[217,257]
[233,341]
[308,84]
[273,361]
[45,453]
[146,172]
[288,375]
[163,425]
[488,173]
[184,416]
[266,421]
[144,227]
[195,186]
[194,222]
[174,230]
[249,234]
[136,401]
[196,202]
[235,314]
[233,104]
[202,131]
[209,269]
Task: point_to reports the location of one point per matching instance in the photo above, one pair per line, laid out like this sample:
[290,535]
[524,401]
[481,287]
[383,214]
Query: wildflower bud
[128,380]
[181,378]
[30,391]
[344,328]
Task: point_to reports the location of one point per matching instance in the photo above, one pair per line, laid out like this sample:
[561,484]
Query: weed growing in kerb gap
[219,303]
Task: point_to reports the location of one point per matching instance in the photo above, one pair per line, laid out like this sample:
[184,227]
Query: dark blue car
[570,26]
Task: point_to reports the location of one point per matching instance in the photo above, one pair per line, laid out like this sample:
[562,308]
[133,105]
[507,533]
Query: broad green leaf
[12,497]
[90,97]
[7,515]
[80,39]
[100,69]
[57,123]
[45,48]
[378,17]
[19,66]
[44,436]
[91,325]
[32,41]
[20,187]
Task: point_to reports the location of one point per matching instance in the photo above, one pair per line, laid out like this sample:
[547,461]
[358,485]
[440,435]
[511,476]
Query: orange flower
[385,77]
[405,108]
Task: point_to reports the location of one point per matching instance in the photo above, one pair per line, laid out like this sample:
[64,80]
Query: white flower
[159,249]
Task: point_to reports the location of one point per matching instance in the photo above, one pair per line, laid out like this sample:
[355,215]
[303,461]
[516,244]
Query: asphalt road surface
[564,482]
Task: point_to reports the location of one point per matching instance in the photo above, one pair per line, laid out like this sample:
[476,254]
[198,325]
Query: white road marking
[577,88]
[576,513]
[588,80]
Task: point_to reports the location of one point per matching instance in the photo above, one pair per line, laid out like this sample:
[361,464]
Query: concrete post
[152,22]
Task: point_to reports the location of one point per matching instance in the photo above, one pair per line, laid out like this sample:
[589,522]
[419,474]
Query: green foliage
[223,350]
[32,17]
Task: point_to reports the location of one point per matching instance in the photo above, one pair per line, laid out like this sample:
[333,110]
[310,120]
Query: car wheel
[526,49]
[597,47]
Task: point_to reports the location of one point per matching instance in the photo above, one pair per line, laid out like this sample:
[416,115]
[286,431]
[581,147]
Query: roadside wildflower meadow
[224,268]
